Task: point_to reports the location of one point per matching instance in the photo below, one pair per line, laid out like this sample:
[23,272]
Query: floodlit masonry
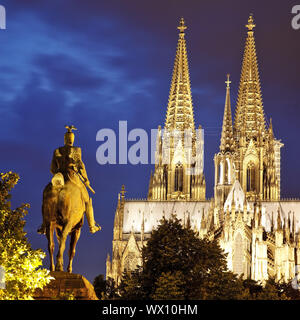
[257,229]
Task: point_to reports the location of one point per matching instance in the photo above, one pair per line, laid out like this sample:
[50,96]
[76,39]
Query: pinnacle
[227,130]
[181,26]
[228,81]
[250,24]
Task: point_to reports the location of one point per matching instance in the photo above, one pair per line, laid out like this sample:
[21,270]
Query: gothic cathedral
[255,227]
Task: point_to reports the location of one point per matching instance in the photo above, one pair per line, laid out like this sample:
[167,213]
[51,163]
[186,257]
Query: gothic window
[270,257]
[265,187]
[130,262]
[251,177]
[166,180]
[226,172]
[227,175]
[192,179]
[221,173]
[179,177]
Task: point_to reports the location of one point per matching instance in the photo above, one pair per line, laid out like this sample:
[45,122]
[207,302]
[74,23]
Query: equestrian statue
[65,200]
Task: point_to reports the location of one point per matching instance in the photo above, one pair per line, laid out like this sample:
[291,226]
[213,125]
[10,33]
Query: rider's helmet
[69,136]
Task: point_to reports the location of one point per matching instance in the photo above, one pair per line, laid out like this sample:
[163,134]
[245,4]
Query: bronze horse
[63,211]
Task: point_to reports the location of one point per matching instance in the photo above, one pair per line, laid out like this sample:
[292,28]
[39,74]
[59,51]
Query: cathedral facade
[255,227]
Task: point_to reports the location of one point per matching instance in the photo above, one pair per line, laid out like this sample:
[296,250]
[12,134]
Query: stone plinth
[64,285]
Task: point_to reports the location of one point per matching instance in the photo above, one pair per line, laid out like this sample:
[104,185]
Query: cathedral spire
[180,114]
[227,142]
[178,159]
[249,116]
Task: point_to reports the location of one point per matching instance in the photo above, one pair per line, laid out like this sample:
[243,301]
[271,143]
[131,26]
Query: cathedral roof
[286,208]
[153,211]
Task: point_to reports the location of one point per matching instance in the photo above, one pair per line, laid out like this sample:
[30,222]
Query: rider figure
[67,160]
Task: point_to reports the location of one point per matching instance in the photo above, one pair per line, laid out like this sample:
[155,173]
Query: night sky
[92,63]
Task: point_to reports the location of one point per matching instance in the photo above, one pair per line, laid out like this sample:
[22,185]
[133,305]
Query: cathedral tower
[179,148]
[224,160]
[257,167]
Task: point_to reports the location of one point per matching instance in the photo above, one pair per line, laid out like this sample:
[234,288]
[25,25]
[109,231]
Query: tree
[99,284]
[169,286]
[111,289]
[271,290]
[133,285]
[105,289]
[288,289]
[20,262]
[178,264]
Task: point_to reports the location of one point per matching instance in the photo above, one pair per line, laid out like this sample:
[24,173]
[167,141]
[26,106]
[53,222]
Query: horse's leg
[62,245]
[58,237]
[49,235]
[74,238]
[58,234]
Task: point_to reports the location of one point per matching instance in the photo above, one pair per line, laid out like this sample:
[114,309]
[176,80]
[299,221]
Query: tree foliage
[105,289]
[99,284]
[177,264]
[22,264]
[169,286]
[133,285]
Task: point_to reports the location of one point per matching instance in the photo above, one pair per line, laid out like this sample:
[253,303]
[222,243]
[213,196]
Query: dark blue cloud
[65,72]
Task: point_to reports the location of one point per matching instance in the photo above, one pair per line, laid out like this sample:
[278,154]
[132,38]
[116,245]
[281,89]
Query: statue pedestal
[64,285]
